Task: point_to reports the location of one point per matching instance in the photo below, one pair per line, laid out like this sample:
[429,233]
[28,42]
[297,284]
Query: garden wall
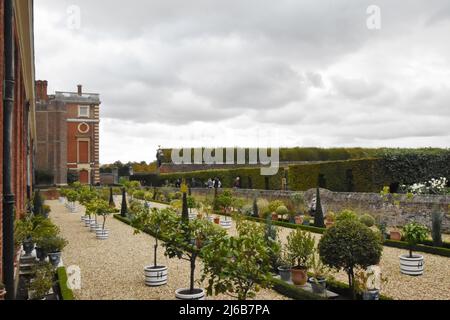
[417,209]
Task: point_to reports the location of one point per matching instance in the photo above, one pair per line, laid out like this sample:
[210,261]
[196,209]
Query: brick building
[67,135]
[17,120]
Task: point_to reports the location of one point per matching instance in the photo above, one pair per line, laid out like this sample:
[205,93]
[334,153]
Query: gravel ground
[113,269]
[434,284]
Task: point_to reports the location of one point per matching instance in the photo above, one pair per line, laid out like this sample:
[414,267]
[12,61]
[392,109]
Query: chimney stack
[41,90]
[80,90]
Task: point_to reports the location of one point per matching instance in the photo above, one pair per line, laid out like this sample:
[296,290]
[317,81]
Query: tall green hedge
[365,175]
[250,178]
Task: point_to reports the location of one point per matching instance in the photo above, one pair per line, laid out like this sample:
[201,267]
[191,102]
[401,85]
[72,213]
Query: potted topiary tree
[53,247]
[284,266]
[156,222]
[411,264]
[103,209]
[320,273]
[300,247]
[185,239]
[349,245]
[72,197]
[367,220]
[282,211]
[237,266]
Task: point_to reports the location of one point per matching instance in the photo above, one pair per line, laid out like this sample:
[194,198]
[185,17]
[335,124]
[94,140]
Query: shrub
[247,210]
[52,244]
[42,281]
[148,196]
[367,220]
[300,247]
[273,205]
[346,215]
[237,265]
[225,200]
[263,206]
[349,245]
[282,210]
[414,233]
[139,194]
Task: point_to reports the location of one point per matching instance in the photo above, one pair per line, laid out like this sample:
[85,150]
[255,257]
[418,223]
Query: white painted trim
[83,120]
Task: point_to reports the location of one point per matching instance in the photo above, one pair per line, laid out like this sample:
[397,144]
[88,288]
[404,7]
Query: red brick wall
[19,135]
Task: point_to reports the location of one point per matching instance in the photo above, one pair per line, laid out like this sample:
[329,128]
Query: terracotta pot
[199,216]
[298,220]
[395,235]
[274,217]
[299,276]
[217,220]
[329,224]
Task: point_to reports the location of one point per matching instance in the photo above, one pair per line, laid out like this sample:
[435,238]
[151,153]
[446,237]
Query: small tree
[156,222]
[349,245]
[300,247]
[185,240]
[272,244]
[318,217]
[414,233]
[103,209]
[237,266]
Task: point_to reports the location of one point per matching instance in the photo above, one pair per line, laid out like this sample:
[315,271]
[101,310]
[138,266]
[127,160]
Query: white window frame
[83,115]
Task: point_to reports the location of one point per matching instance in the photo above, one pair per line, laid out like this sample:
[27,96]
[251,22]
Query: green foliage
[300,247]
[66,292]
[35,228]
[139,194]
[100,207]
[72,195]
[273,205]
[52,244]
[414,233]
[42,281]
[349,245]
[225,200]
[367,220]
[345,215]
[86,195]
[237,266]
[228,176]
[148,196]
[298,201]
[282,210]
[366,175]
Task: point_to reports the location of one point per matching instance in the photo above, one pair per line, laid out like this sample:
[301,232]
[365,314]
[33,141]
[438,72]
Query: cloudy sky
[182,73]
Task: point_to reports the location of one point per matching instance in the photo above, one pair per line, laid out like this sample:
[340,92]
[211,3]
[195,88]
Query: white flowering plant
[433,186]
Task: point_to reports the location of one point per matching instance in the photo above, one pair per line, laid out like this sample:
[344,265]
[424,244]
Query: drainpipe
[8,195]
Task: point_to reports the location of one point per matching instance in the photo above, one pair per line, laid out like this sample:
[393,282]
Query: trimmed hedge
[440,251]
[365,175]
[343,289]
[66,292]
[292,291]
[251,178]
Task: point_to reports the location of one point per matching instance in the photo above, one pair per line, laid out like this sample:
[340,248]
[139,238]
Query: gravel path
[113,269]
[434,284]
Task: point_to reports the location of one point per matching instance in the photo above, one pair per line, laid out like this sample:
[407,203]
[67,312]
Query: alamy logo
[270,163]
[74,277]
